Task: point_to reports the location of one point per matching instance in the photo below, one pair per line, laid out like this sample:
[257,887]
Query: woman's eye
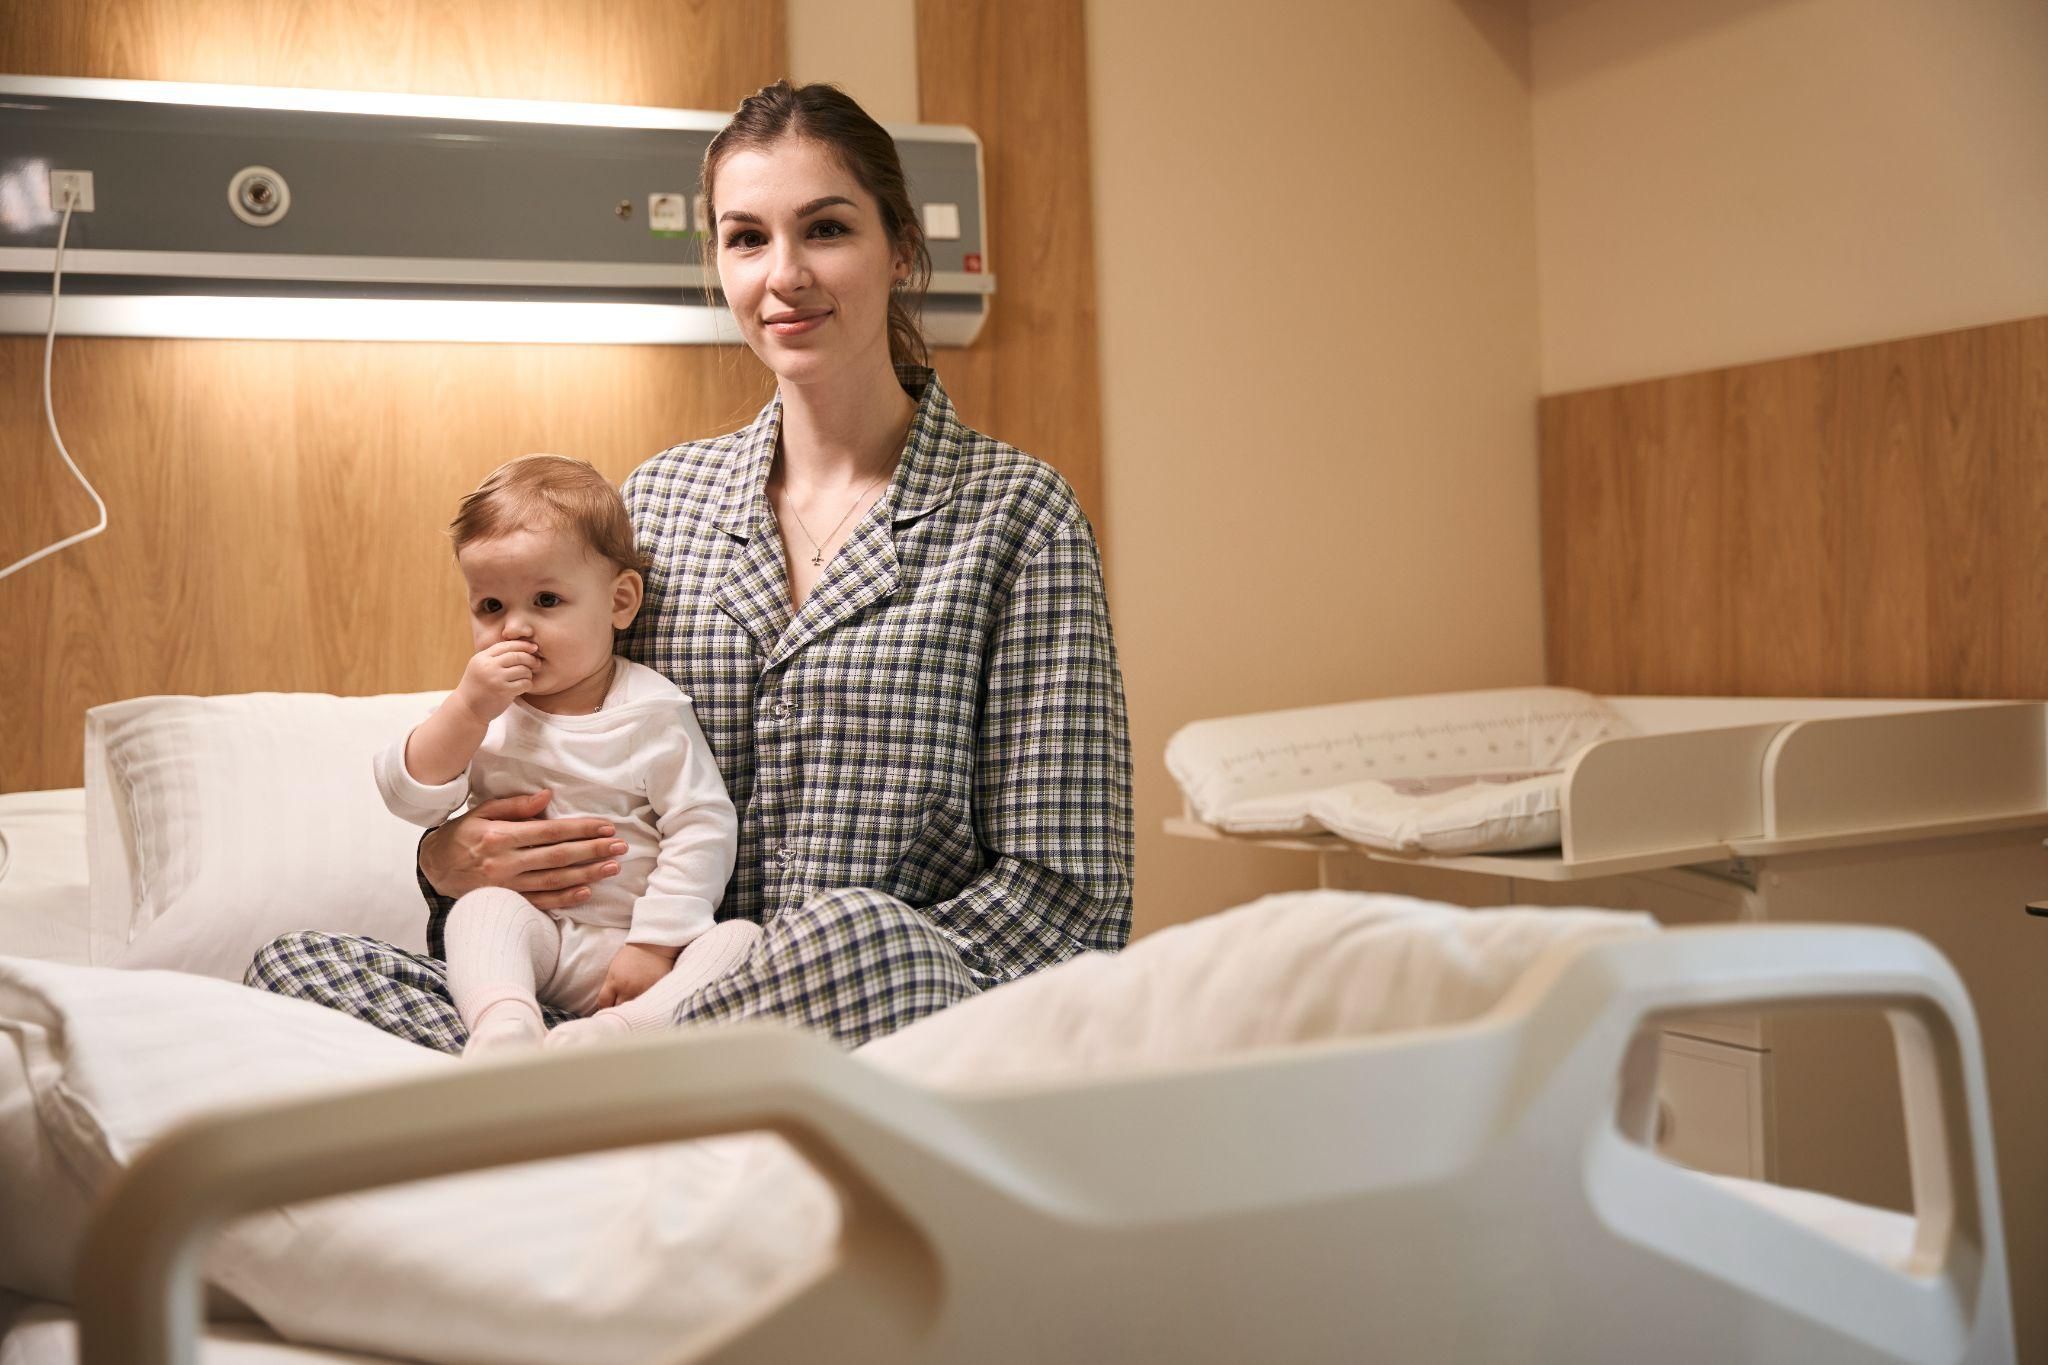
[547,599]
[745,237]
[829,228]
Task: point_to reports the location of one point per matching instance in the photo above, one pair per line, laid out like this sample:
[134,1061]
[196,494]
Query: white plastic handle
[1623,989]
[139,1284]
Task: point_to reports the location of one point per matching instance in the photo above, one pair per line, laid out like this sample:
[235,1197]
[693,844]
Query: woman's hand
[635,967]
[504,843]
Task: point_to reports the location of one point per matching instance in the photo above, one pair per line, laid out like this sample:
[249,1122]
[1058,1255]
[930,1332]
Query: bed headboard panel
[1862,522]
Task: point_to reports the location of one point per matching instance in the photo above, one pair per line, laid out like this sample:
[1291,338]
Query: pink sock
[499,948]
[716,952]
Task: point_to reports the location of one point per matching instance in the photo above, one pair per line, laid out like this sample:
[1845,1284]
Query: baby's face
[546,586]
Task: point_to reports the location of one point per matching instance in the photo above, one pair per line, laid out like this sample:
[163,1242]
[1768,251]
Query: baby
[547,550]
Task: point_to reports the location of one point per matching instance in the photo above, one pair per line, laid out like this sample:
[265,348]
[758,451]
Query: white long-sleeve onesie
[639,761]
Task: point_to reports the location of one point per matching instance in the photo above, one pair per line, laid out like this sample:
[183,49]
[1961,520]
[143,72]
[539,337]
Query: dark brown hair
[826,115]
[551,491]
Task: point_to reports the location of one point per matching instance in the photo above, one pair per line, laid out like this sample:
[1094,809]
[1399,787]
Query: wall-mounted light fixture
[246,211]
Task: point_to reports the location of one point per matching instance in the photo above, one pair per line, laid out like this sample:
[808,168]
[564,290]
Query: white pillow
[215,824]
[96,1064]
[1489,758]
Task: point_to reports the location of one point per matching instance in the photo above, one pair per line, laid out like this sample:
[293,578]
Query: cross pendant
[818,558]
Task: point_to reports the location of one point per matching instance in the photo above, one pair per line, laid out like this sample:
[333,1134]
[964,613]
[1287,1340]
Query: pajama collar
[923,478]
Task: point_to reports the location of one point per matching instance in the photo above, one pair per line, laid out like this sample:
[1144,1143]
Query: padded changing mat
[1455,772]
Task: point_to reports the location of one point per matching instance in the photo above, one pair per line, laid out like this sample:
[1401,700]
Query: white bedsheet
[613,1257]
[47,1334]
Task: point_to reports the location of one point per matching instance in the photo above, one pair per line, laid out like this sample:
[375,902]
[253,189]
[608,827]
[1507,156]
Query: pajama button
[782,710]
[785,855]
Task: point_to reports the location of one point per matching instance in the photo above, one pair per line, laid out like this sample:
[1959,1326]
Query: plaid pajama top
[942,722]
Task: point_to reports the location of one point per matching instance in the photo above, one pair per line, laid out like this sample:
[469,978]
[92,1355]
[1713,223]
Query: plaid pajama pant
[929,756]
[850,963]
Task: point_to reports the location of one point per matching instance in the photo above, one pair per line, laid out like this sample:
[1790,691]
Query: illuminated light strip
[404,106]
[211,317]
[249,265]
[223,265]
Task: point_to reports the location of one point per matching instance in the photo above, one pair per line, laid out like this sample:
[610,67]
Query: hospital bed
[1289,1200]
[1313,1201]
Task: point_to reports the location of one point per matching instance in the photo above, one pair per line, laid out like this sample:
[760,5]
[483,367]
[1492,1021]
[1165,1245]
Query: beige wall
[1316,281]
[1722,181]
[868,49]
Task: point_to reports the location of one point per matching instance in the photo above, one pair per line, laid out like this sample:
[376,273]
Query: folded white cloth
[1290,968]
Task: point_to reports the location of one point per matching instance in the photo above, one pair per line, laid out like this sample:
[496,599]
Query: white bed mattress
[46,1334]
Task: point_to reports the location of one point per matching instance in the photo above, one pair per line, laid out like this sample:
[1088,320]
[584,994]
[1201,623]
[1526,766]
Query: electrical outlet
[78,183]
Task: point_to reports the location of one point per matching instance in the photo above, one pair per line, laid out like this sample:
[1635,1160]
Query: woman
[892,627]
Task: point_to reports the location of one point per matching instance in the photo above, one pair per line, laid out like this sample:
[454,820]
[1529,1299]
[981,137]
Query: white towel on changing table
[620,1256]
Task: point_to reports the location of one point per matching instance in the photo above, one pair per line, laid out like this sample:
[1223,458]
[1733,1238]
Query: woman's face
[804,260]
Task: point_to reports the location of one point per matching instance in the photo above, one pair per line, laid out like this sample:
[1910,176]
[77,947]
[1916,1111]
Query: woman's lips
[797,326]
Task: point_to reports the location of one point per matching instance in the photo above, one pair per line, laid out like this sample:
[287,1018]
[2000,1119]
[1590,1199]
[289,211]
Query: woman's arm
[1052,774]
[506,843]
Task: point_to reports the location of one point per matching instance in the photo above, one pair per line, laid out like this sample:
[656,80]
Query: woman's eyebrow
[742,216]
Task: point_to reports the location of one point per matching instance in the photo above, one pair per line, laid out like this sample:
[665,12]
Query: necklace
[817,549]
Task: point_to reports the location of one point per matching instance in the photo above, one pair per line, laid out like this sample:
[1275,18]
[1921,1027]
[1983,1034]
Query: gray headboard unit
[405,199]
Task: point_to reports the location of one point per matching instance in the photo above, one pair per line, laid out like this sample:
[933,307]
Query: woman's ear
[627,590]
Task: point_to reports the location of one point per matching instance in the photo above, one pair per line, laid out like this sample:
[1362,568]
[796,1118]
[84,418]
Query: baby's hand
[495,676]
[635,967]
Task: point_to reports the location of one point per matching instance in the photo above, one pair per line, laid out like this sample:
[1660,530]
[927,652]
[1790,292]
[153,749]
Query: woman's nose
[792,273]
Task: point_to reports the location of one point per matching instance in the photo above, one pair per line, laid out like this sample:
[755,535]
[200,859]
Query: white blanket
[618,1256]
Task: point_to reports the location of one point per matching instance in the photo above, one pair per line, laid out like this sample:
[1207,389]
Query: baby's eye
[490,606]
[547,599]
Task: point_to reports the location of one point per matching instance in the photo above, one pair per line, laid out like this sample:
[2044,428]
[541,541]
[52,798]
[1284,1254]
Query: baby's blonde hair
[551,491]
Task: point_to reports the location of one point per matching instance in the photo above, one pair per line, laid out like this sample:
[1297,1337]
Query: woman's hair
[828,116]
[555,492]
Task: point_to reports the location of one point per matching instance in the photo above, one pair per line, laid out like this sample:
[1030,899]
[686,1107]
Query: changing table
[1923,815]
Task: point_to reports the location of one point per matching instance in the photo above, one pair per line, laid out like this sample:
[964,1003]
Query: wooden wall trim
[1018,76]
[1861,522]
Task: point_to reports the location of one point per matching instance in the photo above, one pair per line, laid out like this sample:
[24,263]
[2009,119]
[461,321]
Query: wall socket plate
[79,182]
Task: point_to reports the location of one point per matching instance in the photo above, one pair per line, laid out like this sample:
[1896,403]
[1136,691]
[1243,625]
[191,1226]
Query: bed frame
[1313,1200]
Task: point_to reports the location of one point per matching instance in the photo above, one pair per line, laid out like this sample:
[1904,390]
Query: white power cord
[50,408]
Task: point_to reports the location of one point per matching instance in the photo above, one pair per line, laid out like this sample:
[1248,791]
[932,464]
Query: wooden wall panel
[276,508]
[1018,76]
[1864,522]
